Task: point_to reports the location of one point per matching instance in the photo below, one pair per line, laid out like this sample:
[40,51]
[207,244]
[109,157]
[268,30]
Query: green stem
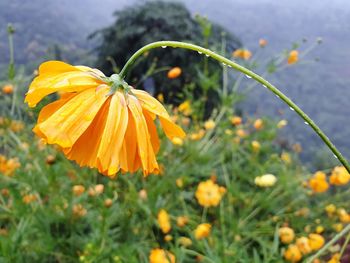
[329,244]
[249,74]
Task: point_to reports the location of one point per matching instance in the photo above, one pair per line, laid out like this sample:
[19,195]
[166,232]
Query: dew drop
[163,46]
[277,96]
[224,64]
[265,86]
[199,52]
[306,122]
[206,55]
[291,108]
[249,77]
[336,157]
[229,66]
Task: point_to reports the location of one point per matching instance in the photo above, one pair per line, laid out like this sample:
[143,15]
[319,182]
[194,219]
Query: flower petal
[67,124]
[152,105]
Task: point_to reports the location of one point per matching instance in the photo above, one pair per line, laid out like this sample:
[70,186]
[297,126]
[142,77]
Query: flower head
[209,124]
[242,53]
[316,241]
[339,176]
[7,89]
[286,235]
[318,183]
[293,254]
[164,221]
[209,194]
[293,57]
[159,255]
[99,122]
[174,73]
[262,42]
[266,180]
[202,231]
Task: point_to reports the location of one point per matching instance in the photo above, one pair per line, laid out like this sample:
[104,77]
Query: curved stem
[249,74]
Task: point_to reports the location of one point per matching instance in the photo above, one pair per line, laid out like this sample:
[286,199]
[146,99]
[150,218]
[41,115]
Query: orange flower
[339,176]
[242,53]
[95,125]
[286,235]
[235,120]
[293,254]
[318,183]
[293,57]
[174,73]
[209,194]
[159,255]
[258,124]
[262,42]
[316,241]
[7,89]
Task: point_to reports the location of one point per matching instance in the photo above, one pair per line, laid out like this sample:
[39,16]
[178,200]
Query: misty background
[321,89]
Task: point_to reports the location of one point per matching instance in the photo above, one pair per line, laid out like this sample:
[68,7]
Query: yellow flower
[303,245]
[7,89]
[164,221]
[319,229]
[202,231]
[292,254]
[209,125]
[335,258]
[344,217]
[286,235]
[258,124]
[293,57]
[185,108]
[16,126]
[177,141]
[181,221]
[338,227]
[158,255]
[143,194]
[208,194]
[262,42]
[89,119]
[29,198]
[185,241]
[318,183]
[197,135]
[330,209]
[168,238]
[256,146]
[286,158]
[108,202]
[281,124]
[179,182]
[235,120]
[266,180]
[316,241]
[174,73]
[339,176]
[242,53]
[241,133]
[78,190]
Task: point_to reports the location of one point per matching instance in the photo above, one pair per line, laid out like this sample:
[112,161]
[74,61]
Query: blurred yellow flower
[266,180]
[102,117]
[292,254]
[286,235]
[78,190]
[209,125]
[185,108]
[185,241]
[236,120]
[319,229]
[8,89]
[241,133]
[344,217]
[209,194]
[293,57]
[338,227]
[330,209]
[256,146]
[197,135]
[108,202]
[258,124]
[303,245]
[177,141]
[29,198]
[79,210]
[286,158]
[143,194]
[181,221]
[160,97]
[158,255]
[316,241]
[202,231]
[281,124]
[16,126]
[174,73]
[164,221]
[242,53]
[335,258]
[8,166]
[318,183]
[168,238]
[262,42]
[179,182]
[339,176]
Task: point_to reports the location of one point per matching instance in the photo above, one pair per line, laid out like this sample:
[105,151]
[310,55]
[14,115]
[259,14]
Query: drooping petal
[85,149]
[69,122]
[152,129]
[145,149]
[152,105]
[113,135]
[58,76]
